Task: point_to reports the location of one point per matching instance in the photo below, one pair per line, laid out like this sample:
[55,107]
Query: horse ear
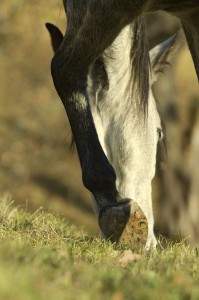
[56,36]
[162,54]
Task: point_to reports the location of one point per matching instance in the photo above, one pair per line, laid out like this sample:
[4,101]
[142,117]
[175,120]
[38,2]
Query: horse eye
[160,134]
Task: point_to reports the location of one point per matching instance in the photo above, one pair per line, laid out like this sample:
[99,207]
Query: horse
[127,122]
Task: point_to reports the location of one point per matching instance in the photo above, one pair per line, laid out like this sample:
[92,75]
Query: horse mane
[140,66]
[140,62]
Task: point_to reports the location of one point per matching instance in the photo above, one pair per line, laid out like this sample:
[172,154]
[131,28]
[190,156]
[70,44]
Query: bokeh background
[38,168]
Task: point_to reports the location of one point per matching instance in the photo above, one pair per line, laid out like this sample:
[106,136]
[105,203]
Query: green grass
[42,257]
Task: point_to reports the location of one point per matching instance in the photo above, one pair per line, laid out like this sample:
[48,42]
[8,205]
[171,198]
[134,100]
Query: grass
[42,257]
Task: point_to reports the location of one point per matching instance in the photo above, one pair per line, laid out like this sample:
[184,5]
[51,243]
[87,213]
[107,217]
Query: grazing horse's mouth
[125,223]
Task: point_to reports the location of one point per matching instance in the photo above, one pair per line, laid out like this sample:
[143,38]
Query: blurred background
[38,168]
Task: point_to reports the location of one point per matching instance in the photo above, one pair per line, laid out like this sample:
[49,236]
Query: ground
[43,257]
